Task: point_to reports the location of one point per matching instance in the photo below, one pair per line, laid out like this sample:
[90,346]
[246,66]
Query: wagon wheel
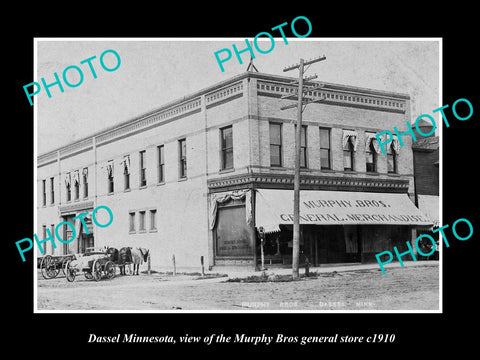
[64,261]
[88,275]
[97,270]
[48,267]
[69,271]
[110,270]
[43,265]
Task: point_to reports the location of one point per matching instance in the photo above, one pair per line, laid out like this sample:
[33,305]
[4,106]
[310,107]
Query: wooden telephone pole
[301,101]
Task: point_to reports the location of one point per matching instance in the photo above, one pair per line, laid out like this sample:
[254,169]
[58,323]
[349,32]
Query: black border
[69,332]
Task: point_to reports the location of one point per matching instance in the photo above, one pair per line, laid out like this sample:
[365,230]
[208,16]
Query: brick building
[198,176]
[426,172]
[426,153]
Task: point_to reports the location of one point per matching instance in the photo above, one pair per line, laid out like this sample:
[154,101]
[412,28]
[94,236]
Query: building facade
[426,153]
[198,176]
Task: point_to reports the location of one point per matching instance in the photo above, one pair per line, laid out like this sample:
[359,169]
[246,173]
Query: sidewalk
[243,272]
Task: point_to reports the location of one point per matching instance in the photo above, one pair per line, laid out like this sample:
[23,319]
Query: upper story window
[182,158]
[161,163]
[126,172]
[153,219]
[85,182]
[349,140]
[52,190]
[371,150]
[143,169]
[391,161]
[226,135]
[275,144]
[392,156]
[371,158]
[141,226]
[76,184]
[325,148]
[303,146]
[131,221]
[44,192]
[110,176]
[67,187]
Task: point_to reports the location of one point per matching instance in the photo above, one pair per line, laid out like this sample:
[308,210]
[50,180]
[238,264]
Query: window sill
[142,187]
[110,193]
[394,174]
[224,171]
[349,171]
[142,231]
[372,173]
[182,179]
[132,232]
[153,230]
[127,190]
[161,183]
[327,170]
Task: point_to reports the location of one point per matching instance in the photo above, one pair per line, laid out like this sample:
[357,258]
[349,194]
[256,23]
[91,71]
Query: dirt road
[415,288]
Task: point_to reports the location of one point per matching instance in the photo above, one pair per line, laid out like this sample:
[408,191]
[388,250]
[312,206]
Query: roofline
[241,76]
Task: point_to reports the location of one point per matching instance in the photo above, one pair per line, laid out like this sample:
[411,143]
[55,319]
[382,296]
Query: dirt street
[415,288]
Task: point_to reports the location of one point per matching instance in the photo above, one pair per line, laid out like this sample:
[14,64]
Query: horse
[114,254]
[139,255]
[132,255]
[124,256]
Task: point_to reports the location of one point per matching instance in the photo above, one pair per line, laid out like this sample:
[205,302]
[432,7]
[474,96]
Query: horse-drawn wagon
[50,265]
[98,263]
[94,264]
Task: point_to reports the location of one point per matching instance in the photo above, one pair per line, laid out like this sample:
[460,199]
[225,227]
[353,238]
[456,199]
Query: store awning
[275,207]
[429,205]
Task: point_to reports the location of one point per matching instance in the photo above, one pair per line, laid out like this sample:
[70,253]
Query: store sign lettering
[315,218]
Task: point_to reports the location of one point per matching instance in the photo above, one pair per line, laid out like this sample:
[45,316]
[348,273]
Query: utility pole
[298,138]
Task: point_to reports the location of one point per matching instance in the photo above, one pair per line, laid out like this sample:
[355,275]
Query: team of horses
[128,255]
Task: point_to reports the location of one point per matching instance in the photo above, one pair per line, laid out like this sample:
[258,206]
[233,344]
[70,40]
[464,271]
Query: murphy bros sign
[274,207]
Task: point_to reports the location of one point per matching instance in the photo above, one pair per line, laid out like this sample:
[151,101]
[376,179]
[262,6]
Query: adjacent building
[199,176]
[426,153]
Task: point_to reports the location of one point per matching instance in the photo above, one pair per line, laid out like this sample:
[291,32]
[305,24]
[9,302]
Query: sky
[155,72]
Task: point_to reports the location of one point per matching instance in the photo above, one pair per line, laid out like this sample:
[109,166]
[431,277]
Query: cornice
[308,182]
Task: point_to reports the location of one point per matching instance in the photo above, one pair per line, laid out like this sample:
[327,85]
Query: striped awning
[350,136]
[275,207]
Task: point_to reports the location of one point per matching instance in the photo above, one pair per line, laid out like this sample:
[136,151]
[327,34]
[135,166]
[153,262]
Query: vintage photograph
[164,184]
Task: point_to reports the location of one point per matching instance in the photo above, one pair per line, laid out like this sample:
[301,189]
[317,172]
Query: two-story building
[198,177]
